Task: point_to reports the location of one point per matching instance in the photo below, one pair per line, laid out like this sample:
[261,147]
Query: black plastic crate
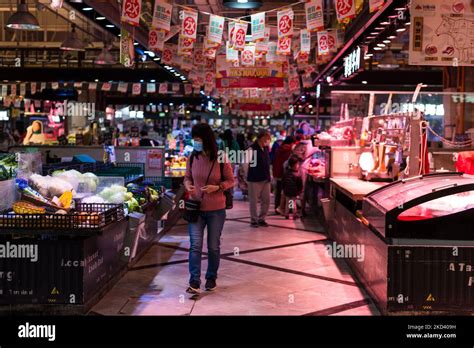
[106,214]
[158,181]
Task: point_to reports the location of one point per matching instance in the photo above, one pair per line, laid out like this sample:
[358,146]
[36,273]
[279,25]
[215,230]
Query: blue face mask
[198,146]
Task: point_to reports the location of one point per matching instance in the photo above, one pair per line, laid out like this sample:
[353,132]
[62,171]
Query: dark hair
[227,136]
[300,131]
[293,160]
[204,131]
[298,137]
[262,134]
[241,141]
[289,140]
[143,133]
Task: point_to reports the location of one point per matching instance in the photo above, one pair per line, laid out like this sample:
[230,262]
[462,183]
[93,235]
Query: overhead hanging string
[280,8]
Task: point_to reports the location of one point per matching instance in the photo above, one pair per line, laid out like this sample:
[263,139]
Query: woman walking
[206,180]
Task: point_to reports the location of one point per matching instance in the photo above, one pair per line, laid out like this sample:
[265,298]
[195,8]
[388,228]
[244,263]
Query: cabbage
[93,199]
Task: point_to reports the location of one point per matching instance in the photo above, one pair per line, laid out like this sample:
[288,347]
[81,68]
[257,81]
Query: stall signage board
[127,49]
[155,159]
[441,33]
[352,62]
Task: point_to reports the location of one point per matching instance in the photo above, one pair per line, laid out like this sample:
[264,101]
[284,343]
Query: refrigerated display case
[418,240]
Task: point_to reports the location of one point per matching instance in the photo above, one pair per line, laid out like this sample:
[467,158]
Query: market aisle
[279,270]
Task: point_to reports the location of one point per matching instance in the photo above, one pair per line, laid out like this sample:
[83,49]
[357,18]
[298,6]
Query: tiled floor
[279,270]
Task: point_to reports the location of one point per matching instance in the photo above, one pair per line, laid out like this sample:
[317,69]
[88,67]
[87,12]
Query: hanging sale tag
[131,10]
[163,89]
[314,15]
[231,54]
[261,47]
[247,56]
[285,23]
[33,87]
[215,30]
[151,88]
[122,87]
[323,47]
[168,54]
[375,5]
[106,86]
[332,41]
[156,40]
[136,88]
[345,9]
[240,30]
[162,16]
[284,46]
[258,26]
[127,49]
[189,24]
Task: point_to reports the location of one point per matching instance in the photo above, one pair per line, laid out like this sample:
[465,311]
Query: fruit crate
[90,216]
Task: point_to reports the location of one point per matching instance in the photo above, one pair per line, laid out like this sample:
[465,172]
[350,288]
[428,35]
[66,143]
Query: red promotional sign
[189,25]
[285,23]
[250,82]
[345,9]
[331,42]
[240,37]
[153,38]
[131,11]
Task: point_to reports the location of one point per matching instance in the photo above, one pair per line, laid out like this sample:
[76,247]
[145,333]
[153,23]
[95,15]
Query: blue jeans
[214,220]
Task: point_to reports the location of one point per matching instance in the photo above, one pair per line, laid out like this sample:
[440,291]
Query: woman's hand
[189,187]
[210,188]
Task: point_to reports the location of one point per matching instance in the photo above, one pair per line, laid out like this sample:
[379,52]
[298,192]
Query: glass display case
[434,206]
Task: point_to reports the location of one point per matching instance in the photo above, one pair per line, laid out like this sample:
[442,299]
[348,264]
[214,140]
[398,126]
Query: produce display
[176,163]
[8,167]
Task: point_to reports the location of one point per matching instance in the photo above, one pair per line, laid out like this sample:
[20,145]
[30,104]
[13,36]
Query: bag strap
[222,171]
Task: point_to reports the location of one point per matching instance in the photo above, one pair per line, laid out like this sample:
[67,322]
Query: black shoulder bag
[191,206]
[229,197]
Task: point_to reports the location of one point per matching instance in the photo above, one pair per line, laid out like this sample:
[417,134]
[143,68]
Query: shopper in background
[305,129]
[292,185]
[144,140]
[282,155]
[276,144]
[250,139]
[203,182]
[228,143]
[258,178]
[241,141]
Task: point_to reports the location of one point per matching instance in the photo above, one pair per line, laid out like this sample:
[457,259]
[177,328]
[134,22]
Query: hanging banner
[77,84]
[332,41]
[43,86]
[131,10]
[4,90]
[92,86]
[198,56]
[189,24]
[122,87]
[345,9]
[314,15]
[285,23]
[307,81]
[13,90]
[261,47]
[168,54]
[305,41]
[441,35]
[215,30]
[231,54]
[151,88]
[175,87]
[136,88]
[106,87]
[230,76]
[185,46]
[375,5]
[240,30]
[162,16]
[22,89]
[209,51]
[163,89]
[323,48]
[272,52]
[284,46]
[156,40]
[247,57]
[230,33]
[33,87]
[188,89]
[187,63]
[127,49]
[258,26]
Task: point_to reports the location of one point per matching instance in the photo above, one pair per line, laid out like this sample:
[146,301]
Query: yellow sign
[430,298]
[55,291]
[249,72]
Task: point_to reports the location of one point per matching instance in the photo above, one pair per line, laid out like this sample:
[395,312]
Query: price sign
[131,10]
[285,23]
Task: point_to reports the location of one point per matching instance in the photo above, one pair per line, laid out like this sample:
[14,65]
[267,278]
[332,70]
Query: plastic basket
[82,218]
[158,181]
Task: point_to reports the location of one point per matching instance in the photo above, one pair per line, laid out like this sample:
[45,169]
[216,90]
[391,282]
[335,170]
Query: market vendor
[34,134]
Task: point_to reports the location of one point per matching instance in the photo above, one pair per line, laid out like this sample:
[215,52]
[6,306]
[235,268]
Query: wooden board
[355,188]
